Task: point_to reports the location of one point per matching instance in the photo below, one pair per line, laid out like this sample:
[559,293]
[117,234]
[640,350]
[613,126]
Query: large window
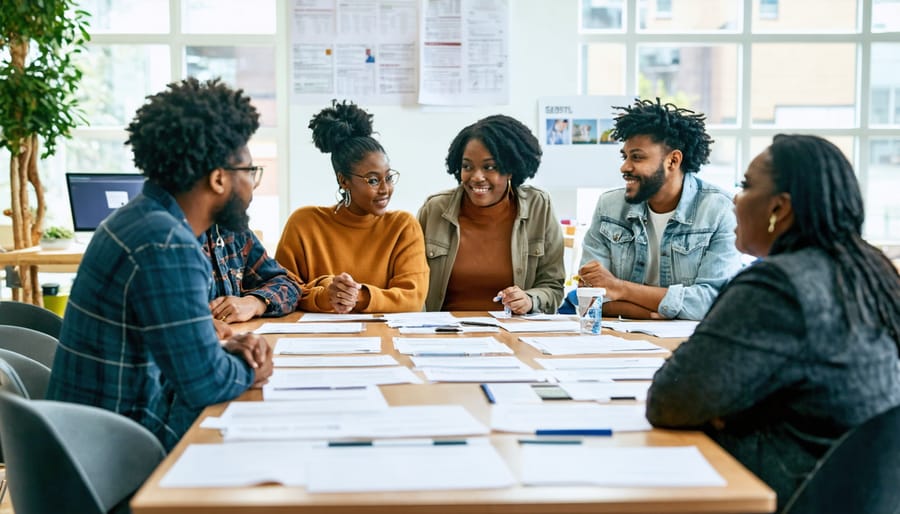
[757,68]
[139,46]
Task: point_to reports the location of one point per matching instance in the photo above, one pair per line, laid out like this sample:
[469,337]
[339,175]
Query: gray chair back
[860,473]
[22,377]
[31,375]
[30,316]
[72,458]
[30,343]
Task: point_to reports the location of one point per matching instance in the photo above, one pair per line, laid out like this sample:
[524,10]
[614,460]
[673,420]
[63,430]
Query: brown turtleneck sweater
[483,264]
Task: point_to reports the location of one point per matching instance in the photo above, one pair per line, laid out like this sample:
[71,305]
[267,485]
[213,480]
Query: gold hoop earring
[772,220]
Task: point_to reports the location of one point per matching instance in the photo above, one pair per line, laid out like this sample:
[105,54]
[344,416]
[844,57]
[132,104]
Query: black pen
[549,441]
[399,442]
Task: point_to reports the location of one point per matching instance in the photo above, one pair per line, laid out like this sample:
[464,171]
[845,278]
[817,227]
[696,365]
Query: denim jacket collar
[684,211]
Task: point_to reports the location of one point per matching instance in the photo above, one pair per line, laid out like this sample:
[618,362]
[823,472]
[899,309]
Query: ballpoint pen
[488,394]
[574,431]
[399,442]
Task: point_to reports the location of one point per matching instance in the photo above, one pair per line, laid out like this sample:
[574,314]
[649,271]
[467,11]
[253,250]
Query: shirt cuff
[672,302]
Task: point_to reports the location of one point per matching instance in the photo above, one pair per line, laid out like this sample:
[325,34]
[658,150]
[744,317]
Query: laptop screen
[94,196]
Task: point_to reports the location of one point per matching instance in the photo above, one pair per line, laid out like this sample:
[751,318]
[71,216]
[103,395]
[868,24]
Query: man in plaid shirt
[138,337]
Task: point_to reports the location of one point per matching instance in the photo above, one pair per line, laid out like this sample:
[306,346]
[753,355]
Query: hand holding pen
[515,301]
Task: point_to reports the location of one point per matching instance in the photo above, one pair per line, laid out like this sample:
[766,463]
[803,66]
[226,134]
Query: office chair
[71,458]
[23,377]
[30,343]
[21,314]
[860,473]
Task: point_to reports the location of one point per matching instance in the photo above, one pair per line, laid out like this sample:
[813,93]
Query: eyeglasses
[391,179]
[256,173]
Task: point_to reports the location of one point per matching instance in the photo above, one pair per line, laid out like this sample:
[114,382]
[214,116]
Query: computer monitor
[94,196]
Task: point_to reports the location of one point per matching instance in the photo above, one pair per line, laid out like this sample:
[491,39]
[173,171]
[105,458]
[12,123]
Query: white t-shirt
[655,230]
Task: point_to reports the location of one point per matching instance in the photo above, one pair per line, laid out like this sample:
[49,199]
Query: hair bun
[334,125]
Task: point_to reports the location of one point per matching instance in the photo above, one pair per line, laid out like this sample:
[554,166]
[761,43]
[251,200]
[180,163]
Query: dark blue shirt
[138,336]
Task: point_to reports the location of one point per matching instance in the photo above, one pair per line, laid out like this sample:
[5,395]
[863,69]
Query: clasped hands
[253,348]
[343,293]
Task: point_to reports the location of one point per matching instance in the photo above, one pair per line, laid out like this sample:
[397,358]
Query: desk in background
[744,492]
[58,260]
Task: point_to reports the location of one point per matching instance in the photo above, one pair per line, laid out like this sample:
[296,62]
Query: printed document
[529,418]
[326,345]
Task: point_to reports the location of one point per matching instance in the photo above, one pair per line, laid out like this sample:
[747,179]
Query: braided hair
[676,128]
[828,214]
[185,132]
[512,145]
[345,131]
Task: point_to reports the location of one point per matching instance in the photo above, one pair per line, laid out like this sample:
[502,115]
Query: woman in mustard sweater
[355,256]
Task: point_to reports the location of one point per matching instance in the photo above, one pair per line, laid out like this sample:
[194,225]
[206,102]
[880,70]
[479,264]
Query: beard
[233,215]
[647,187]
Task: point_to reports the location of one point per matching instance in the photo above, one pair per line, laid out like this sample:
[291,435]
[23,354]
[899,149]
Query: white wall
[543,62]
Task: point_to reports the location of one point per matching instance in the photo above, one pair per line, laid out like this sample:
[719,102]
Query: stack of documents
[450,347]
[392,422]
[586,345]
[437,323]
[571,417]
[517,326]
[296,361]
[286,379]
[609,368]
[476,369]
[468,464]
[326,345]
[665,328]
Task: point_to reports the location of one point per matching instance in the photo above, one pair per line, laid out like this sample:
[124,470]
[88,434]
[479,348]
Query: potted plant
[56,238]
[38,81]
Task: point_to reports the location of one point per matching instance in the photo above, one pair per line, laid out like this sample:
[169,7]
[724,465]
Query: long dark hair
[829,214]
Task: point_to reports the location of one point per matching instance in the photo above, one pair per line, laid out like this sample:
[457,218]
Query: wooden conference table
[744,492]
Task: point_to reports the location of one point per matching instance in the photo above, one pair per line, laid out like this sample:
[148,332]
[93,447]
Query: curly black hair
[828,214]
[676,128]
[183,133]
[514,148]
[345,131]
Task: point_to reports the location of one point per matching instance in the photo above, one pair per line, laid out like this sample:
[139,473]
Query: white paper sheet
[318,317]
[286,379]
[419,319]
[393,422]
[587,345]
[615,368]
[664,328]
[239,464]
[473,362]
[309,328]
[458,328]
[326,345]
[294,361]
[540,326]
[358,399]
[513,393]
[617,467]
[484,375]
[528,418]
[538,316]
[450,347]
[475,465]
[607,391]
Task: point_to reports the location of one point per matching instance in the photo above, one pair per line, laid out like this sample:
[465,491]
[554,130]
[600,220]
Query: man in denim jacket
[665,247]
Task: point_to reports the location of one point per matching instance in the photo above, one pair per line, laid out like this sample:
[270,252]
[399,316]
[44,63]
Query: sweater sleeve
[738,356]
[408,283]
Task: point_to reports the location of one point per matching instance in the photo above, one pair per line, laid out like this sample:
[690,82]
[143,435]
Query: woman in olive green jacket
[493,240]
